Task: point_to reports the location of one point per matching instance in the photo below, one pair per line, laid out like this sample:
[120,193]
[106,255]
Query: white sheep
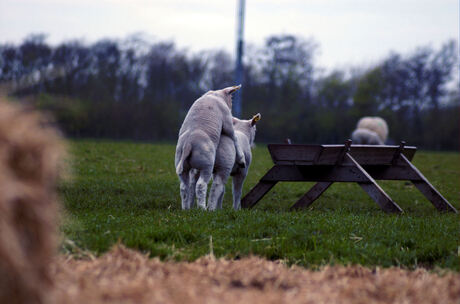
[365,137]
[208,118]
[245,131]
[370,130]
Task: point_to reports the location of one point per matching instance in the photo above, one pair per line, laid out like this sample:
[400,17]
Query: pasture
[129,192]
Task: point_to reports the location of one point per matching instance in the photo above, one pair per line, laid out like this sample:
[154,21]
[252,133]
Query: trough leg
[257,193]
[311,195]
[380,197]
[374,190]
[424,186]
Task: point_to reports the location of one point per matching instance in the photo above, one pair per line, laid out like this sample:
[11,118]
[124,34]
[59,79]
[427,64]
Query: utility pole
[239,56]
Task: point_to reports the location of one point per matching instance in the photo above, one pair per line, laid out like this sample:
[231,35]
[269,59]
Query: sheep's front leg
[238,181]
[227,129]
[202,187]
[216,193]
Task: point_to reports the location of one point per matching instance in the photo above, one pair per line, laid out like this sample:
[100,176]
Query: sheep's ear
[255,119]
[232,89]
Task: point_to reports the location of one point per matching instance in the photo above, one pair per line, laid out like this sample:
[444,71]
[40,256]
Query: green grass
[130,192]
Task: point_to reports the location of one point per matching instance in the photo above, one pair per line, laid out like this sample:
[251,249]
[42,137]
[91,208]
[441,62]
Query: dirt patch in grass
[126,276]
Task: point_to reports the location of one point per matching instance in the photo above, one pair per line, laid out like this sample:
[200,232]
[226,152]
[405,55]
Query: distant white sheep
[370,130]
[245,131]
[208,118]
[365,137]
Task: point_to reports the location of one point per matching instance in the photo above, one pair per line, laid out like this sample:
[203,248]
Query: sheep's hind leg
[184,189]
[193,176]
[202,187]
[221,197]
[237,189]
[224,177]
[216,193]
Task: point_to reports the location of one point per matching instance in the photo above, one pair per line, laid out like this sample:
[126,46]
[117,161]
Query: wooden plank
[333,154]
[378,155]
[430,192]
[408,151]
[311,195]
[329,154]
[290,173]
[340,173]
[391,172]
[256,194]
[290,152]
[375,191]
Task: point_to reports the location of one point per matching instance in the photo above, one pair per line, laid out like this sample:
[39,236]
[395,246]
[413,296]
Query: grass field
[129,192]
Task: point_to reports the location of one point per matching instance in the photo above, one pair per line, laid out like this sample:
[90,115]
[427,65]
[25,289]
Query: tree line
[136,89]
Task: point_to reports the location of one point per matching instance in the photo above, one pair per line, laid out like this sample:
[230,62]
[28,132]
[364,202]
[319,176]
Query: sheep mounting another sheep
[370,131]
[208,118]
[225,166]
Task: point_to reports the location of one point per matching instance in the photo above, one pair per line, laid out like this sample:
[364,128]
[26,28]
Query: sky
[348,32]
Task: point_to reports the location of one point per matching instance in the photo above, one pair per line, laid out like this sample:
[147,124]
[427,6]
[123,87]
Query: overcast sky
[349,32]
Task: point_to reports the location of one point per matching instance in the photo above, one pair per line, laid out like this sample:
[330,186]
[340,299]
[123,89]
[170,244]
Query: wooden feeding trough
[326,164]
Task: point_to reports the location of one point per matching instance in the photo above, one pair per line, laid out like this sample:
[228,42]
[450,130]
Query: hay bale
[126,276]
[30,153]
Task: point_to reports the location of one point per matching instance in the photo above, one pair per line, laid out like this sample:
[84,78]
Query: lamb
[245,131]
[370,130]
[365,137]
[208,118]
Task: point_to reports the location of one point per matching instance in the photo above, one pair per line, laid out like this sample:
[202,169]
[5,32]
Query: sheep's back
[206,114]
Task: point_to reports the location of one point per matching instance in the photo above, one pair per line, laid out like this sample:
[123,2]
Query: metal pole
[239,56]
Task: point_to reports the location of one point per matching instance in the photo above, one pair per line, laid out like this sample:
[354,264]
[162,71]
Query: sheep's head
[227,94]
[248,127]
